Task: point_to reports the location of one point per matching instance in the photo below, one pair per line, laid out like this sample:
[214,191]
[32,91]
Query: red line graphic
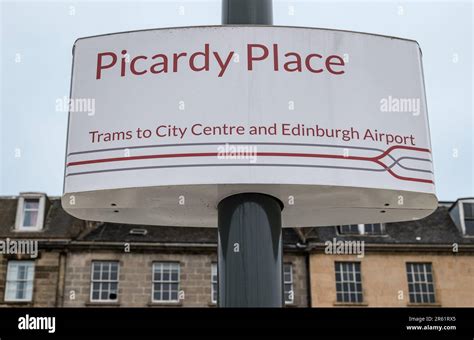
[390,149]
[375,159]
[412,179]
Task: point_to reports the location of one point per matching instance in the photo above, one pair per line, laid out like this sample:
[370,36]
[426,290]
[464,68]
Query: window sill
[19,303]
[165,304]
[435,304]
[22,257]
[28,229]
[103,304]
[350,304]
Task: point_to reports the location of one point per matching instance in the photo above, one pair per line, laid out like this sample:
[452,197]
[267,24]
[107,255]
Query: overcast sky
[37,37]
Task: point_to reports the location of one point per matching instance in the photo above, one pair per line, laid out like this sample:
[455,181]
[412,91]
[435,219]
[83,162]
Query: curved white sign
[165,123]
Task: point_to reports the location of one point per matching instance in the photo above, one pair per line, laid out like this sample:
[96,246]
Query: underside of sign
[303,205]
[165,123]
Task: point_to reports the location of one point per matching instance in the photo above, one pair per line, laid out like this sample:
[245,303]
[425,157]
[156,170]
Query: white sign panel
[165,123]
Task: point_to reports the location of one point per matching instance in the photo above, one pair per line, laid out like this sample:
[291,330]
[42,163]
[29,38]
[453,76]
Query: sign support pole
[250,242]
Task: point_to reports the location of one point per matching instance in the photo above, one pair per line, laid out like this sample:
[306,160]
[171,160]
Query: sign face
[165,123]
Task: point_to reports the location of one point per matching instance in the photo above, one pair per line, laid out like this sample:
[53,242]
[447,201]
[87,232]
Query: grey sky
[37,37]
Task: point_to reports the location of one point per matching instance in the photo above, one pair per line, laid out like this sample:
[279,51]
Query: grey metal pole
[250,251]
[247,12]
[250,245]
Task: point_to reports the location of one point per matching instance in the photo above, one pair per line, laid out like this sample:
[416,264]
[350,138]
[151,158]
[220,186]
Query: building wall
[384,278]
[135,277]
[45,280]
[300,279]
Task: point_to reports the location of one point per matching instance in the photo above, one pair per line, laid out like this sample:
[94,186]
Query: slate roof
[57,225]
[436,229]
[112,232]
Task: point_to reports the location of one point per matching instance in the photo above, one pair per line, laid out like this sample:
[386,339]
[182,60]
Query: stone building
[48,258]
[139,266]
[102,264]
[34,234]
[429,262]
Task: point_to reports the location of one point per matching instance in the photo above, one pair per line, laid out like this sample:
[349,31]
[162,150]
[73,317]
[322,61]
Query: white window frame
[419,282]
[291,282]
[463,219]
[353,281]
[100,300]
[382,230]
[153,282]
[214,282]
[348,234]
[15,281]
[20,212]
[361,230]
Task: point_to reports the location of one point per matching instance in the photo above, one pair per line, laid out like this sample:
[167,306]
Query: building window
[373,229]
[420,283]
[468,209]
[361,229]
[348,282]
[288,283]
[30,212]
[20,275]
[350,229]
[214,283]
[165,282]
[105,278]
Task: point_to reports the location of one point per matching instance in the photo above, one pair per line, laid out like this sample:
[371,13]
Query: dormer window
[373,229]
[468,210]
[30,212]
[349,229]
[361,229]
[462,214]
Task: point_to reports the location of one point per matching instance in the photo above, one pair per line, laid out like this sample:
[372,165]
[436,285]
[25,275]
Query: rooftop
[436,229]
